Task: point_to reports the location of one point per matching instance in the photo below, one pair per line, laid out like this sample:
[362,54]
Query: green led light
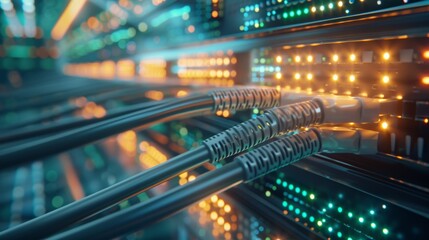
[291,13]
[339,234]
[306,11]
[311,219]
[324,210]
[291,207]
[330,229]
[340,209]
[322,8]
[297,211]
[57,201]
[312,197]
[298,12]
[291,187]
[350,214]
[304,193]
[261,24]
[385,231]
[319,223]
[285,15]
[349,238]
[373,225]
[331,5]
[284,204]
[304,214]
[297,190]
[267,193]
[361,220]
[256,111]
[330,205]
[284,184]
[372,212]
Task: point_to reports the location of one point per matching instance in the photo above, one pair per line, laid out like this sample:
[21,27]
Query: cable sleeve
[272,123]
[279,153]
[244,98]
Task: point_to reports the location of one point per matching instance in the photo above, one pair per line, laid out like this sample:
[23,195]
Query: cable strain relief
[279,153]
[244,98]
[255,131]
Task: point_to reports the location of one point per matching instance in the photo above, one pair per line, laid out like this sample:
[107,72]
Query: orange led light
[386,79]
[335,58]
[426,54]
[425,80]
[386,56]
[384,125]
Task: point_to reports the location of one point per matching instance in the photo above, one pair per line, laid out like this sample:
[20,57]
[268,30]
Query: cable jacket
[59,219]
[63,141]
[143,214]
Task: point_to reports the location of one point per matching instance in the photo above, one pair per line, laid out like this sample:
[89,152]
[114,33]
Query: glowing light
[309,76]
[384,125]
[340,3]
[278,75]
[350,214]
[425,80]
[227,208]
[279,59]
[335,77]
[309,58]
[67,17]
[297,59]
[426,120]
[426,54]
[313,9]
[385,231]
[386,56]
[335,58]
[361,219]
[373,225]
[312,196]
[319,223]
[297,76]
[352,78]
[352,57]
[386,79]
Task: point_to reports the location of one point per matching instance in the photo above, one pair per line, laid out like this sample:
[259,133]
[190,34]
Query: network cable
[67,124]
[230,99]
[244,168]
[239,138]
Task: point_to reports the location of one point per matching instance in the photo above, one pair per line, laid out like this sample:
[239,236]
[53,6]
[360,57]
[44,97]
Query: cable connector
[244,98]
[279,153]
[289,149]
[268,125]
[345,140]
[343,109]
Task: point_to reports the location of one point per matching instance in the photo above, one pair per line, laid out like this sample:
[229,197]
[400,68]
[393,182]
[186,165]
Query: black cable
[33,150]
[21,134]
[231,99]
[188,160]
[69,214]
[246,167]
